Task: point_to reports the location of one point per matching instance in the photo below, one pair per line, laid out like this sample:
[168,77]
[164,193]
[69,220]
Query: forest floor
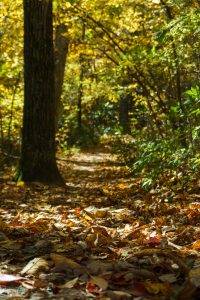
[101,237]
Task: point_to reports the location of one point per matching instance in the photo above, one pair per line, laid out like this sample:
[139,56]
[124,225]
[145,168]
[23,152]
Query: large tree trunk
[38,161]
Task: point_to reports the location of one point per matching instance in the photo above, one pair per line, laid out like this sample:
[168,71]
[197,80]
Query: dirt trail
[100,237]
[92,176]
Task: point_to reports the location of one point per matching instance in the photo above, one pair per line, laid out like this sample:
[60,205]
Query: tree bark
[80,89]
[60,56]
[38,161]
[80,94]
[124,105]
[124,114]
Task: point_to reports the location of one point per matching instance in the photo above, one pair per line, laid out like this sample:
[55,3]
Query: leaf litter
[101,237]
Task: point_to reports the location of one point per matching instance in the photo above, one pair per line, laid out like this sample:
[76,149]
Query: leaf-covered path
[101,237]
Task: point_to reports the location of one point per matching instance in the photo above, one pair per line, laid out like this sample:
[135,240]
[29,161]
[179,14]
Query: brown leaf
[69,284]
[11,245]
[97,239]
[4,227]
[119,295]
[61,259]
[194,276]
[171,278]
[100,282]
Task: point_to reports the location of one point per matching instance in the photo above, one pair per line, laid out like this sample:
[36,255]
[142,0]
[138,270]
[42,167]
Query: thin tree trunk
[181,119]
[60,56]
[1,130]
[80,89]
[124,105]
[124,114]
[11,114]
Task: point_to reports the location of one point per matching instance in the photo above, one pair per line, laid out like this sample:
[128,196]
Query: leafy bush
[158,161]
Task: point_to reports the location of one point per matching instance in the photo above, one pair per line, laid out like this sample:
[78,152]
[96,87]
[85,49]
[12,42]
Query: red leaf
[152,241]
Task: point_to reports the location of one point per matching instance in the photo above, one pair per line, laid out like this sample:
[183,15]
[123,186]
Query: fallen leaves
[35,266]
[103,238]
[100,282]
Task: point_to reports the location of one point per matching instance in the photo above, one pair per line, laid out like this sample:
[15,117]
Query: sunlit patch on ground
[101,237]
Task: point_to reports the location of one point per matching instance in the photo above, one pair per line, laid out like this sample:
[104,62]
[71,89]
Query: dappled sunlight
[99,150]
[101,234]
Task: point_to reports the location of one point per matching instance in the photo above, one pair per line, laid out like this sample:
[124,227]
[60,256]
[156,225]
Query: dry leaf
[4,227]
[11,245]
[97,239]
[70,284]
[61,259]
[100,282]
[35,266]
[40,225]
[7,278]
[100,229]
[119,295]
[168,278]
[156,288]
[94,212]
[194,277]
[196,245]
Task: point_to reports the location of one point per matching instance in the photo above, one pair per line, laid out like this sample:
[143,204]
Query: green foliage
[11,87]
[158,161]
[145,52]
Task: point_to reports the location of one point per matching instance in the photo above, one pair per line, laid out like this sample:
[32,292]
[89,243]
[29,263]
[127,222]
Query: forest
[100,149]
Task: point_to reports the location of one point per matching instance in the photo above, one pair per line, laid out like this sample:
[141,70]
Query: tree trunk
[124,105]
[80,94]
[60,55]
[80,89]
[38,161]
[124,114]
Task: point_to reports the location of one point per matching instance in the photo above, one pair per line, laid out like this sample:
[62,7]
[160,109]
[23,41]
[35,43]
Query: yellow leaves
[70,223]
[87,217]
[105,191]
[123,186]
[20,183]
[155,1]
[95,244]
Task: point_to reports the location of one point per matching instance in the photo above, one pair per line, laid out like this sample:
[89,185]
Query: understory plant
[158,161]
